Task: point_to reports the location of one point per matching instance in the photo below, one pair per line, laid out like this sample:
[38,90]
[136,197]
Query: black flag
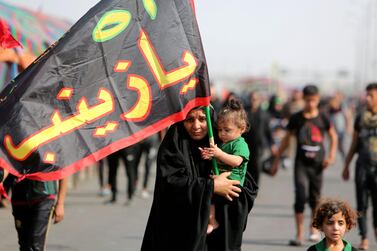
[125,70]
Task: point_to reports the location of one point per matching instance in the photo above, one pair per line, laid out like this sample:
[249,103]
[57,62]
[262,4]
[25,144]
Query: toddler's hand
[214,150]
[210,152]
[205,153]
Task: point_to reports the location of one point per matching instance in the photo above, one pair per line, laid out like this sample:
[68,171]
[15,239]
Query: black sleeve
[326,121]
[293,122]
[356,125]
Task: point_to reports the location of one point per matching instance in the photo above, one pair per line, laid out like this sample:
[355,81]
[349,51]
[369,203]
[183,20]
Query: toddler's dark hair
[328,207]
[234,111]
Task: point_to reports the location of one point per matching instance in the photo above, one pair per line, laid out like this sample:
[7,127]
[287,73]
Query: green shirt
[321,246]
[240,148]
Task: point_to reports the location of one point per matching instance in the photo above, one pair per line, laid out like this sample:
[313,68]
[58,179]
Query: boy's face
[335,227]
[228,131]
[372,99]
[311,102]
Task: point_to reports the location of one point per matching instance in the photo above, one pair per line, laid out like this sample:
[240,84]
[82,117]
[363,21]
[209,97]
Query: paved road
[90,225]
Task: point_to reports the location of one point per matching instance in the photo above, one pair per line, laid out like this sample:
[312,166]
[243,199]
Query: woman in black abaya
[183,191]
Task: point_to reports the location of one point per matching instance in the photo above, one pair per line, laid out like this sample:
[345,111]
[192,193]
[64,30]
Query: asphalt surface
[92,225]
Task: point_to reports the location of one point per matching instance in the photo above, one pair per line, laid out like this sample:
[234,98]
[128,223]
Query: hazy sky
[247,36]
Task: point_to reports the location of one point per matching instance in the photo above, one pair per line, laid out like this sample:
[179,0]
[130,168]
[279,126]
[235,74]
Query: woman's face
[196,124]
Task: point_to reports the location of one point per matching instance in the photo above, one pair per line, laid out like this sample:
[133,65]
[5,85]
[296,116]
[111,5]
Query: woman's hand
[226,187]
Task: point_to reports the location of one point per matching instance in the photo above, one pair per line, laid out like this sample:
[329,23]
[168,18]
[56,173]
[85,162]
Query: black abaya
[179,216]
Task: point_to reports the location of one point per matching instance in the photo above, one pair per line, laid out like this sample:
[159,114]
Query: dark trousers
[308,185]
[366,185]
[130,159]
[145,147]
[341,143]
[32,221]
[101,171]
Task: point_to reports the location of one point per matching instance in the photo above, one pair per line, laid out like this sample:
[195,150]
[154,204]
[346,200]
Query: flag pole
[211,138]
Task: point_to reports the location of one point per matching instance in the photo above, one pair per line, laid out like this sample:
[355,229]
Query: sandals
[364,245]
[295,243]
[315,237]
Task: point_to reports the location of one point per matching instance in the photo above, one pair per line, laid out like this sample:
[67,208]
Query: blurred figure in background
[129,157]
[341,118]
[215,98]
[148,147]
[309,128]
[364,143]
[278,126]
[294,104]
[104,188]
[258,136]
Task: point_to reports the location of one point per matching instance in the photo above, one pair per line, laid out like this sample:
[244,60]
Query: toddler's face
[335,227]
[228,131]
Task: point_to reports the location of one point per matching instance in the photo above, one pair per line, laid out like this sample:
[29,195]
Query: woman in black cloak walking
[183,192]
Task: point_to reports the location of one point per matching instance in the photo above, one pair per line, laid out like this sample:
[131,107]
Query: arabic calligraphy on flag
[125,70]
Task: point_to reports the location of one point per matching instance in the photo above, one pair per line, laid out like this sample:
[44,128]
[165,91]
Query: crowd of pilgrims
[268,120]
